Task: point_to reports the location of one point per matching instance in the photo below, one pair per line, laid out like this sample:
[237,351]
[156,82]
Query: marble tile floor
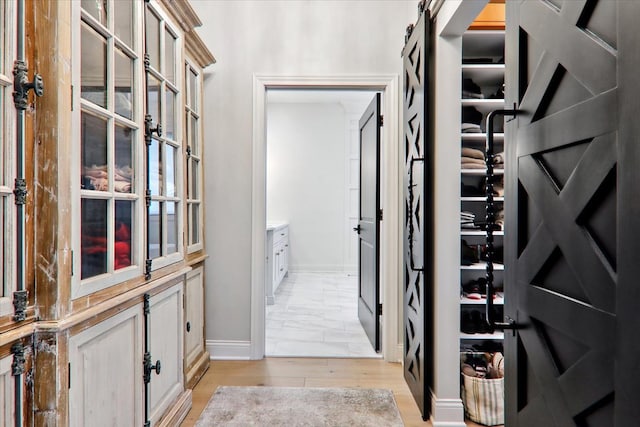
[316,315]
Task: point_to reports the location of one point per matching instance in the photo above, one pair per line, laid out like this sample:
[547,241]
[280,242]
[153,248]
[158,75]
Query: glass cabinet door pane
[153,39]
[154,99]
[155,168]
[193,137]
[97,9]
[171,170]
[4,202]
[195,169]
[122,236]
[170,120]
[3,46]
[123,21]
[123,171]
[3,166]
[94,153]
[94,237]
[193,96]
[172,228]
[155,229]
[170,56]
[195,225]
[123,84]
[94,67]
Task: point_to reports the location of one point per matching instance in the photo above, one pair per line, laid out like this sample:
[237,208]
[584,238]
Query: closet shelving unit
[483,63]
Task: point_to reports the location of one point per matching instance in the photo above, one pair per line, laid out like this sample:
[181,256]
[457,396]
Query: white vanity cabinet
[277,251]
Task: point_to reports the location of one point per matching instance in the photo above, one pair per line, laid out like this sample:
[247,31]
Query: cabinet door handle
[410,237]
[188,326]
[489,155]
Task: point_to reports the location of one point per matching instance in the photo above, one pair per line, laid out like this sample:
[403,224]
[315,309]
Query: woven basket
[483,400]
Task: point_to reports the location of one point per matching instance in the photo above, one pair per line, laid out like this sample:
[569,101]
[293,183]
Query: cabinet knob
[286,246]
[188,326]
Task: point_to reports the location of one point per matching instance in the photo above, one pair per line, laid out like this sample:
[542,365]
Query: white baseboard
[229,350]
[447,412]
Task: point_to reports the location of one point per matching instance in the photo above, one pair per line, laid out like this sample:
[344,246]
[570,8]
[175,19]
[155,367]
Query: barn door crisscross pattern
[417,283]
[562,197]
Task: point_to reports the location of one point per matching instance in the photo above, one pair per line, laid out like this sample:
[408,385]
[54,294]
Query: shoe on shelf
[467,325]
[472,290]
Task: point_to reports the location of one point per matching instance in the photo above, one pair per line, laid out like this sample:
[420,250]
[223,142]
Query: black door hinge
[69,377]
[380,309]
[17,366]
[147,269]
[381,120]
[20,191]
[20,299]
[380,214]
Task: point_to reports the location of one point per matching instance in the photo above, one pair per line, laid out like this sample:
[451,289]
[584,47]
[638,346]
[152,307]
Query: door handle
[410,237]
[491,226]
[357,229]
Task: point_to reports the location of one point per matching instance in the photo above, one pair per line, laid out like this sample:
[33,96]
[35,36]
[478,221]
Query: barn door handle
[411,185]
[491,222]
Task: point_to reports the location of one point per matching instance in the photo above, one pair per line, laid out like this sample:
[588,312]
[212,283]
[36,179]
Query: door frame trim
[390,186]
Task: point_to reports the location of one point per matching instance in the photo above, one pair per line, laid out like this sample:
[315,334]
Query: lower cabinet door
[194,316]
[106,371]
[166,346]
[7,392]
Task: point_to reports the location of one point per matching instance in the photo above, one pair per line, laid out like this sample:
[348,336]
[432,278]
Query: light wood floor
[308,372]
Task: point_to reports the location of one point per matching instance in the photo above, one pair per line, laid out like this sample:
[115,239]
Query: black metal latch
[22,85]
[148,367]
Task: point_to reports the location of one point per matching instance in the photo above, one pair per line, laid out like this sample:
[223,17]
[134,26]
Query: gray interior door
[369,224]
[573,229]
[418,300]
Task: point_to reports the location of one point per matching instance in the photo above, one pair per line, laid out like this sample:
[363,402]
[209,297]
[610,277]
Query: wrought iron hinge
[22,85]
[146,307]
[147,59]
[20,191]
[17,366]
[20,299]
[188,151]
[381,120]
[147,269]
[147,197]
[148,367]
[379,309]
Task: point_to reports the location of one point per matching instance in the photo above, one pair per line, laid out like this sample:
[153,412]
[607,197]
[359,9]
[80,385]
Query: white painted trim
[447,412]
[390,228]
[229,350]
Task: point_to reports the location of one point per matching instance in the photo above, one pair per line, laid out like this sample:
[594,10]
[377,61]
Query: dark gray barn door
[369,224]
[418,301]
[573,223]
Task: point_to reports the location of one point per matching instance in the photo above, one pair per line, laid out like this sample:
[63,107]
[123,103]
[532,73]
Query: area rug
[300,406]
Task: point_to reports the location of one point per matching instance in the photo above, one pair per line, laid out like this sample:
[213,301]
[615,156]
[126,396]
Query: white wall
[286,38]
[306,181]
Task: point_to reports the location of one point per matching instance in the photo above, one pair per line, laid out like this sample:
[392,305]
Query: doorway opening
[389,256]
[312,204]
